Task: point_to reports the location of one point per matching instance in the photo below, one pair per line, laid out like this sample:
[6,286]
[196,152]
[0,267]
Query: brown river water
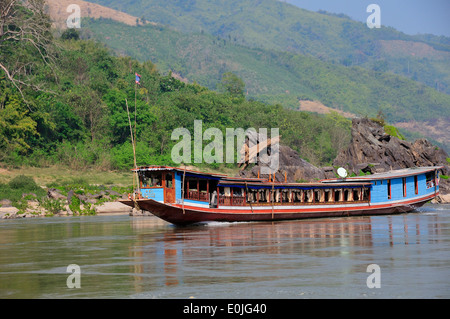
[118,256]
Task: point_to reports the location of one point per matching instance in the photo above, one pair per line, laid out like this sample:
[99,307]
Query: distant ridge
[57,9]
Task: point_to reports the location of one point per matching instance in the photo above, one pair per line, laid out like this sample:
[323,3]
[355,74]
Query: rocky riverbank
[55,203]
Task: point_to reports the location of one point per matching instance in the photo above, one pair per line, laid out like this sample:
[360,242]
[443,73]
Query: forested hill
[65,102]
[276,25]
[275,76]
[285,54]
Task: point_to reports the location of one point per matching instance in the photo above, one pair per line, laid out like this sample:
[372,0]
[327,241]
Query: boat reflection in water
[280,254]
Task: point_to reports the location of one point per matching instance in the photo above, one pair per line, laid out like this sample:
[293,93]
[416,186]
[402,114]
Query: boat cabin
[398,185]
[164,184]
[241,193]
[176,185]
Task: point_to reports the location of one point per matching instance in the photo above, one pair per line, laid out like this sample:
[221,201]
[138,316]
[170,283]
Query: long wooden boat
[182,196]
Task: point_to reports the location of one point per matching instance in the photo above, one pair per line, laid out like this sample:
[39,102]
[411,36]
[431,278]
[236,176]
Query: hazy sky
[408,16]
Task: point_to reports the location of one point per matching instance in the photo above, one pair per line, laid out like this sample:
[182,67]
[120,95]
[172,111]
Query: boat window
[316,196]
[262,198]
[337,195]
[277,196]
[416,185]
[297,195]
[356,193]
[238,192]
[346,195]
[308,196]
[192,184]
[429,179]
[285,197]
[169,181]
[203,185]
[145,180]
[404,186]
[389,188]
[366,194]
[237,196]
[251,195]
[151,179]
[326,195]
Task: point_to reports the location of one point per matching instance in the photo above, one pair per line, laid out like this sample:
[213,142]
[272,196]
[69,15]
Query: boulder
[55,194]
[8,212]
[291,168]
[5,203]
[371,145]
[372,150]
[442,199]
[69,196]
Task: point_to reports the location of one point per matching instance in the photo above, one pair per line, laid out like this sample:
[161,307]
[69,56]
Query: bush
[24,183]
[19,186]
[53,206]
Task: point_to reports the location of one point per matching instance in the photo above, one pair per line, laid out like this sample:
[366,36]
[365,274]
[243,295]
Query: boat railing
[196,195]
[231,200]
[226,200]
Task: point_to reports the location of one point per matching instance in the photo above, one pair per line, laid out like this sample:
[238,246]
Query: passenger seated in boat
[213,202]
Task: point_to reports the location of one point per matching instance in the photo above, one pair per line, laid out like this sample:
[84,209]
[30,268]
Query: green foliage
[52,206]
[15,189]
[74,206]
[232,84]
[274,76]
[393,131]
[278,26]
[25,184]
[70,34]
[83,119]
[17,127]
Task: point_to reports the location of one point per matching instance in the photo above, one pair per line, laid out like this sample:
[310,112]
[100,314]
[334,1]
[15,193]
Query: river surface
[119,256]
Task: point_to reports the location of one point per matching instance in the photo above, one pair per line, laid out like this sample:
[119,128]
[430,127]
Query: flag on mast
[138,79]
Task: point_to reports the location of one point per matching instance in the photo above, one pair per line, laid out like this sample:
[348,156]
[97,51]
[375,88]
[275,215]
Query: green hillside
[273,76]
[69,107]
[275,25]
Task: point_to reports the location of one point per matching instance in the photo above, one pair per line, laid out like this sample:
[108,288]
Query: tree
[25,40]
[16,127]
[232,84]
[70,34]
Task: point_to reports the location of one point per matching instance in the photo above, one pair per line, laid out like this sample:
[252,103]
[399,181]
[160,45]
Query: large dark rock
[372,150]
[55,194]
[291,168]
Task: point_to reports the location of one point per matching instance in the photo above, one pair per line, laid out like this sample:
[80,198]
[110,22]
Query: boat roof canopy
[186,171]
[357,181]
[277,185]
[388,175]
